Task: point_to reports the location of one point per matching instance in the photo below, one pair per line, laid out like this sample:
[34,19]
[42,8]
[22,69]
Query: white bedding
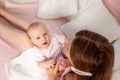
[24,68]
[5,57]
[94,17]
[116,69]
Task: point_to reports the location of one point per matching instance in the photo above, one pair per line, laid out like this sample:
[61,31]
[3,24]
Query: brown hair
[93,53]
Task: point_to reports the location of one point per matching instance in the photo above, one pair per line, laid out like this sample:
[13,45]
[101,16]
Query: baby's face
[40,37]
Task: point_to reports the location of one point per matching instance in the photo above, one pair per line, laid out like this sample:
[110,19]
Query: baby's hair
[34,24]
[92,53]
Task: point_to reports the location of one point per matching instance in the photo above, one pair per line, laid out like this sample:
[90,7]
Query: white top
[52,52]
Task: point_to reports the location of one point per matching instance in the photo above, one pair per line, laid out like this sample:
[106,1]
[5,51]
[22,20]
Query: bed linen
[52,9]
[23,1]
[116,68]
[27,12]
[95,17]
[114,7]
[24,67]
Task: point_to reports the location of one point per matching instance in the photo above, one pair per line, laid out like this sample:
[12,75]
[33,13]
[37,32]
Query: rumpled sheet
[24,67]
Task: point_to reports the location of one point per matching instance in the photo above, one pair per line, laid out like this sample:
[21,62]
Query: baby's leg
[15,36]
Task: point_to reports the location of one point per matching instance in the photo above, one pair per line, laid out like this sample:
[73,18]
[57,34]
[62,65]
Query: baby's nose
[44,39]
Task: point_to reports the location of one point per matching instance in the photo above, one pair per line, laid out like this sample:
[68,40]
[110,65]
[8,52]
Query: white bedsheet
[24,68]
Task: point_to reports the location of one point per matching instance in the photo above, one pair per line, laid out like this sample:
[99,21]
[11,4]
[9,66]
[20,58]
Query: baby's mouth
[44,43]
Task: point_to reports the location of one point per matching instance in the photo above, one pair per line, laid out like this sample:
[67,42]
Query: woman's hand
[52,72]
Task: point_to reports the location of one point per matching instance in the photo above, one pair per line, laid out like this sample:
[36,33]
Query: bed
[28,11]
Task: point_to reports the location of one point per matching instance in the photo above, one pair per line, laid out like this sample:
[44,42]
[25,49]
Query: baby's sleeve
[38,55]
[60,38]
[35,54]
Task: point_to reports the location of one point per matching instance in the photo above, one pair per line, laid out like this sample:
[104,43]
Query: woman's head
[91,52]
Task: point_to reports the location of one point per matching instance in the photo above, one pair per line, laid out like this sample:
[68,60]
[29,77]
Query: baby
[48,47]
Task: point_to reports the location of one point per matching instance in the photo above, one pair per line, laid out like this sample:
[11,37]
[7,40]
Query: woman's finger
[56,67]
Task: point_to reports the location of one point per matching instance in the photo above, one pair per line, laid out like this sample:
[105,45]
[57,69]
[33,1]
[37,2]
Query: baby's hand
[62,65]
[47,64]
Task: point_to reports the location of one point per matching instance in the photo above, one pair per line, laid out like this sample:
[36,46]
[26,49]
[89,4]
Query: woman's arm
[52,72]
[15,36]
[15,20]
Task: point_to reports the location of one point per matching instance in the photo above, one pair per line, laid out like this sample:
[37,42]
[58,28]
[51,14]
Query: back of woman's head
[93,53]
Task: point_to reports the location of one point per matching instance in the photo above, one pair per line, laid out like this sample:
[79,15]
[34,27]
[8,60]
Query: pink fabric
[7,52]
[27,12]
[9,4]
[114,7]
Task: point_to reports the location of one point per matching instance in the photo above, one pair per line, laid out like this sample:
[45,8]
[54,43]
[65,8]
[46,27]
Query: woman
[91,56]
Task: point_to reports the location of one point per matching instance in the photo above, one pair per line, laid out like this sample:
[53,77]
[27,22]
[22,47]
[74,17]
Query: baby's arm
[46,64]
[63,64]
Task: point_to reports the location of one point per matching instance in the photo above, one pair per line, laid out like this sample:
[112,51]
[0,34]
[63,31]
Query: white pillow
[116,69]
[52,9]
[23,1]
[82,5]
[96,18]
[116,75]
[117,54]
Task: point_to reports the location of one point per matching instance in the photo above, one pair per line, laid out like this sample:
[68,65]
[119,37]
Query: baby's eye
[38,38]
[45,34]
